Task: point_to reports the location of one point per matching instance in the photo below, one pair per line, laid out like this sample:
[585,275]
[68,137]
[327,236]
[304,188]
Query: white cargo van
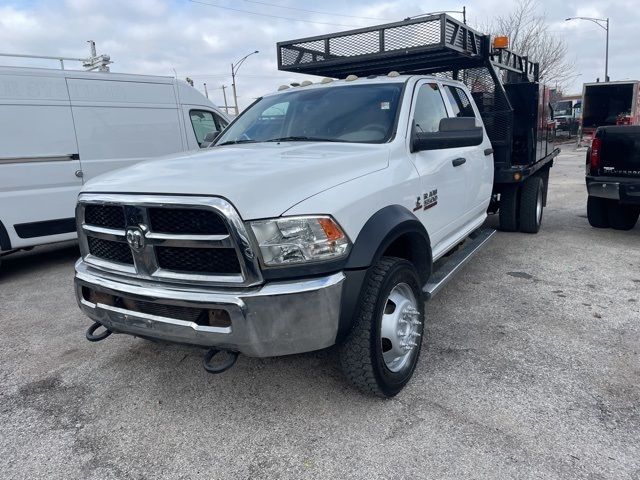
[60,128]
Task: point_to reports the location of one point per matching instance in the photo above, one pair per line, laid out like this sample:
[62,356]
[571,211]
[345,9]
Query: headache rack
[504,84]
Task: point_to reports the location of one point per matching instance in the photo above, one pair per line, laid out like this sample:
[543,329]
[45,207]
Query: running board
[456,261]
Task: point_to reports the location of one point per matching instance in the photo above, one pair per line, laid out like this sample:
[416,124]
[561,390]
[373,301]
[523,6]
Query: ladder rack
[430,44]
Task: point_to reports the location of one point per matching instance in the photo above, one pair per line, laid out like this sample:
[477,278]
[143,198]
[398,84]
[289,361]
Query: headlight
[290,240]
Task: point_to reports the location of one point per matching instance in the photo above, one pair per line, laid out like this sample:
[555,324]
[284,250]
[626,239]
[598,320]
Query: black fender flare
[380,231]
[376,236]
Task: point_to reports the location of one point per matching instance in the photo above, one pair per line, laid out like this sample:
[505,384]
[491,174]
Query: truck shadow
[170,370]
[39,259]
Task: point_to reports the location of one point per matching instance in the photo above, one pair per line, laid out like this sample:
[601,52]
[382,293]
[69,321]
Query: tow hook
[229,362]
[101,336]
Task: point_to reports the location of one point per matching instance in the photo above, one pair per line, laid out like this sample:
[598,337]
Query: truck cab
[325,214]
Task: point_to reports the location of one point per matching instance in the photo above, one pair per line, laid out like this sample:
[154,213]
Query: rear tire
[509,205]
[623,217]
[390,313]
[597,212]
[531,205]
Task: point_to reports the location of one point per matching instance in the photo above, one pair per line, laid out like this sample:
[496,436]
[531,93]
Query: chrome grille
[205,260]
[186,221]
[109,216]
[197,240]
[112,251]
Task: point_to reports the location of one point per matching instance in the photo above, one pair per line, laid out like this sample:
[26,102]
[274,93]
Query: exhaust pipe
[101,336]
[218,368]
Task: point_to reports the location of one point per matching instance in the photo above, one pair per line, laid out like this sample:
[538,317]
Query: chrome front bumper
[275,319]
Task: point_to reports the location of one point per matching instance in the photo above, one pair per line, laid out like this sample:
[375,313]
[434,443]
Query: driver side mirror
[452,133]
[209,138]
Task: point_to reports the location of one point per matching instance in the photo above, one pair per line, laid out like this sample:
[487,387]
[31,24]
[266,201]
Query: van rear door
[39,166]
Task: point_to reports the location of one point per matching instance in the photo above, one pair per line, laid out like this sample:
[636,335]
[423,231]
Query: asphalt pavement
[530,369]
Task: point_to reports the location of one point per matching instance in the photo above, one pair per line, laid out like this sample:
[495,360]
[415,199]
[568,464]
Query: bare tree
[529,34]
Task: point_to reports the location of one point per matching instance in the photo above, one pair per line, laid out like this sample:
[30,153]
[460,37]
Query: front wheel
[381,352]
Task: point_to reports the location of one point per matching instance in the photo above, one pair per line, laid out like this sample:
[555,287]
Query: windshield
[354,113]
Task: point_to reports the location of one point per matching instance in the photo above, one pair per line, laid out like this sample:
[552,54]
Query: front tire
[382,349]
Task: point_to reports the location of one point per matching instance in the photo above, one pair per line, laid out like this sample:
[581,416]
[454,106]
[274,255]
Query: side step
[456,261]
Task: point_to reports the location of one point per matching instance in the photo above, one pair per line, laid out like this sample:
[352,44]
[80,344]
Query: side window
[203,123]
[459,102]
[429,108]
[221,123]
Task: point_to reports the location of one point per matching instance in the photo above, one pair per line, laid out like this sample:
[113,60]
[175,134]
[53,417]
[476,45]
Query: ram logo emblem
[135,238]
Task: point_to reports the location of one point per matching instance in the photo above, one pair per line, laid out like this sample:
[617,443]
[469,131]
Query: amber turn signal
[501,42]
[331,230]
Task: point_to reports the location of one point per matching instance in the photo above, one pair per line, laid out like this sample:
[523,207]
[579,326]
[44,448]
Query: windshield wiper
[302,139]
[234,142]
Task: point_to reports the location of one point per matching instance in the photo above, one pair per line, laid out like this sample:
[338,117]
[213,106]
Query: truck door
[478,166]
[441,205]
[39,166]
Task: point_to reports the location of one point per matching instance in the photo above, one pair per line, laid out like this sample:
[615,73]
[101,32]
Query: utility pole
[234,69]
[224,94]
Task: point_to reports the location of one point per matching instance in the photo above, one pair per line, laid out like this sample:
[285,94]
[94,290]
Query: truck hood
[261,180]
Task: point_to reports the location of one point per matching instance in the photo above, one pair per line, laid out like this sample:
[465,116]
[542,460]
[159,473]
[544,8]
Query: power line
[312,11]
[268,15]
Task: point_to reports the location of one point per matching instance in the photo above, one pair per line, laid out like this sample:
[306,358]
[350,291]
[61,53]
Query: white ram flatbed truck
[315,220]
[61,128]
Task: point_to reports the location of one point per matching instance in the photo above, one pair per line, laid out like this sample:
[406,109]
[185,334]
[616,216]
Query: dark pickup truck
[613,177]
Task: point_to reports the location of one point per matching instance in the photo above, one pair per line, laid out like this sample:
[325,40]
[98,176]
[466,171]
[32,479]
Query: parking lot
[530,369]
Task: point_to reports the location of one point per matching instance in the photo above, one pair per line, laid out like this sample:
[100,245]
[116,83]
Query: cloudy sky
[200,39]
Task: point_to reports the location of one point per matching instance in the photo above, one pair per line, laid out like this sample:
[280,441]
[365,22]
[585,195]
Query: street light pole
[606,57]
[234,69]
[599,22]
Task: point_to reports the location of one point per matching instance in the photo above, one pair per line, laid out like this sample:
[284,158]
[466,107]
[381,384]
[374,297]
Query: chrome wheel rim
[539,207]
[400,328]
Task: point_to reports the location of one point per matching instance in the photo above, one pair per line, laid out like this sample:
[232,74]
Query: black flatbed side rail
[507,175]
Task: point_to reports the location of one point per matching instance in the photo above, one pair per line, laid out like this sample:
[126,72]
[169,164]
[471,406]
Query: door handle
[488,151]
[458,161]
